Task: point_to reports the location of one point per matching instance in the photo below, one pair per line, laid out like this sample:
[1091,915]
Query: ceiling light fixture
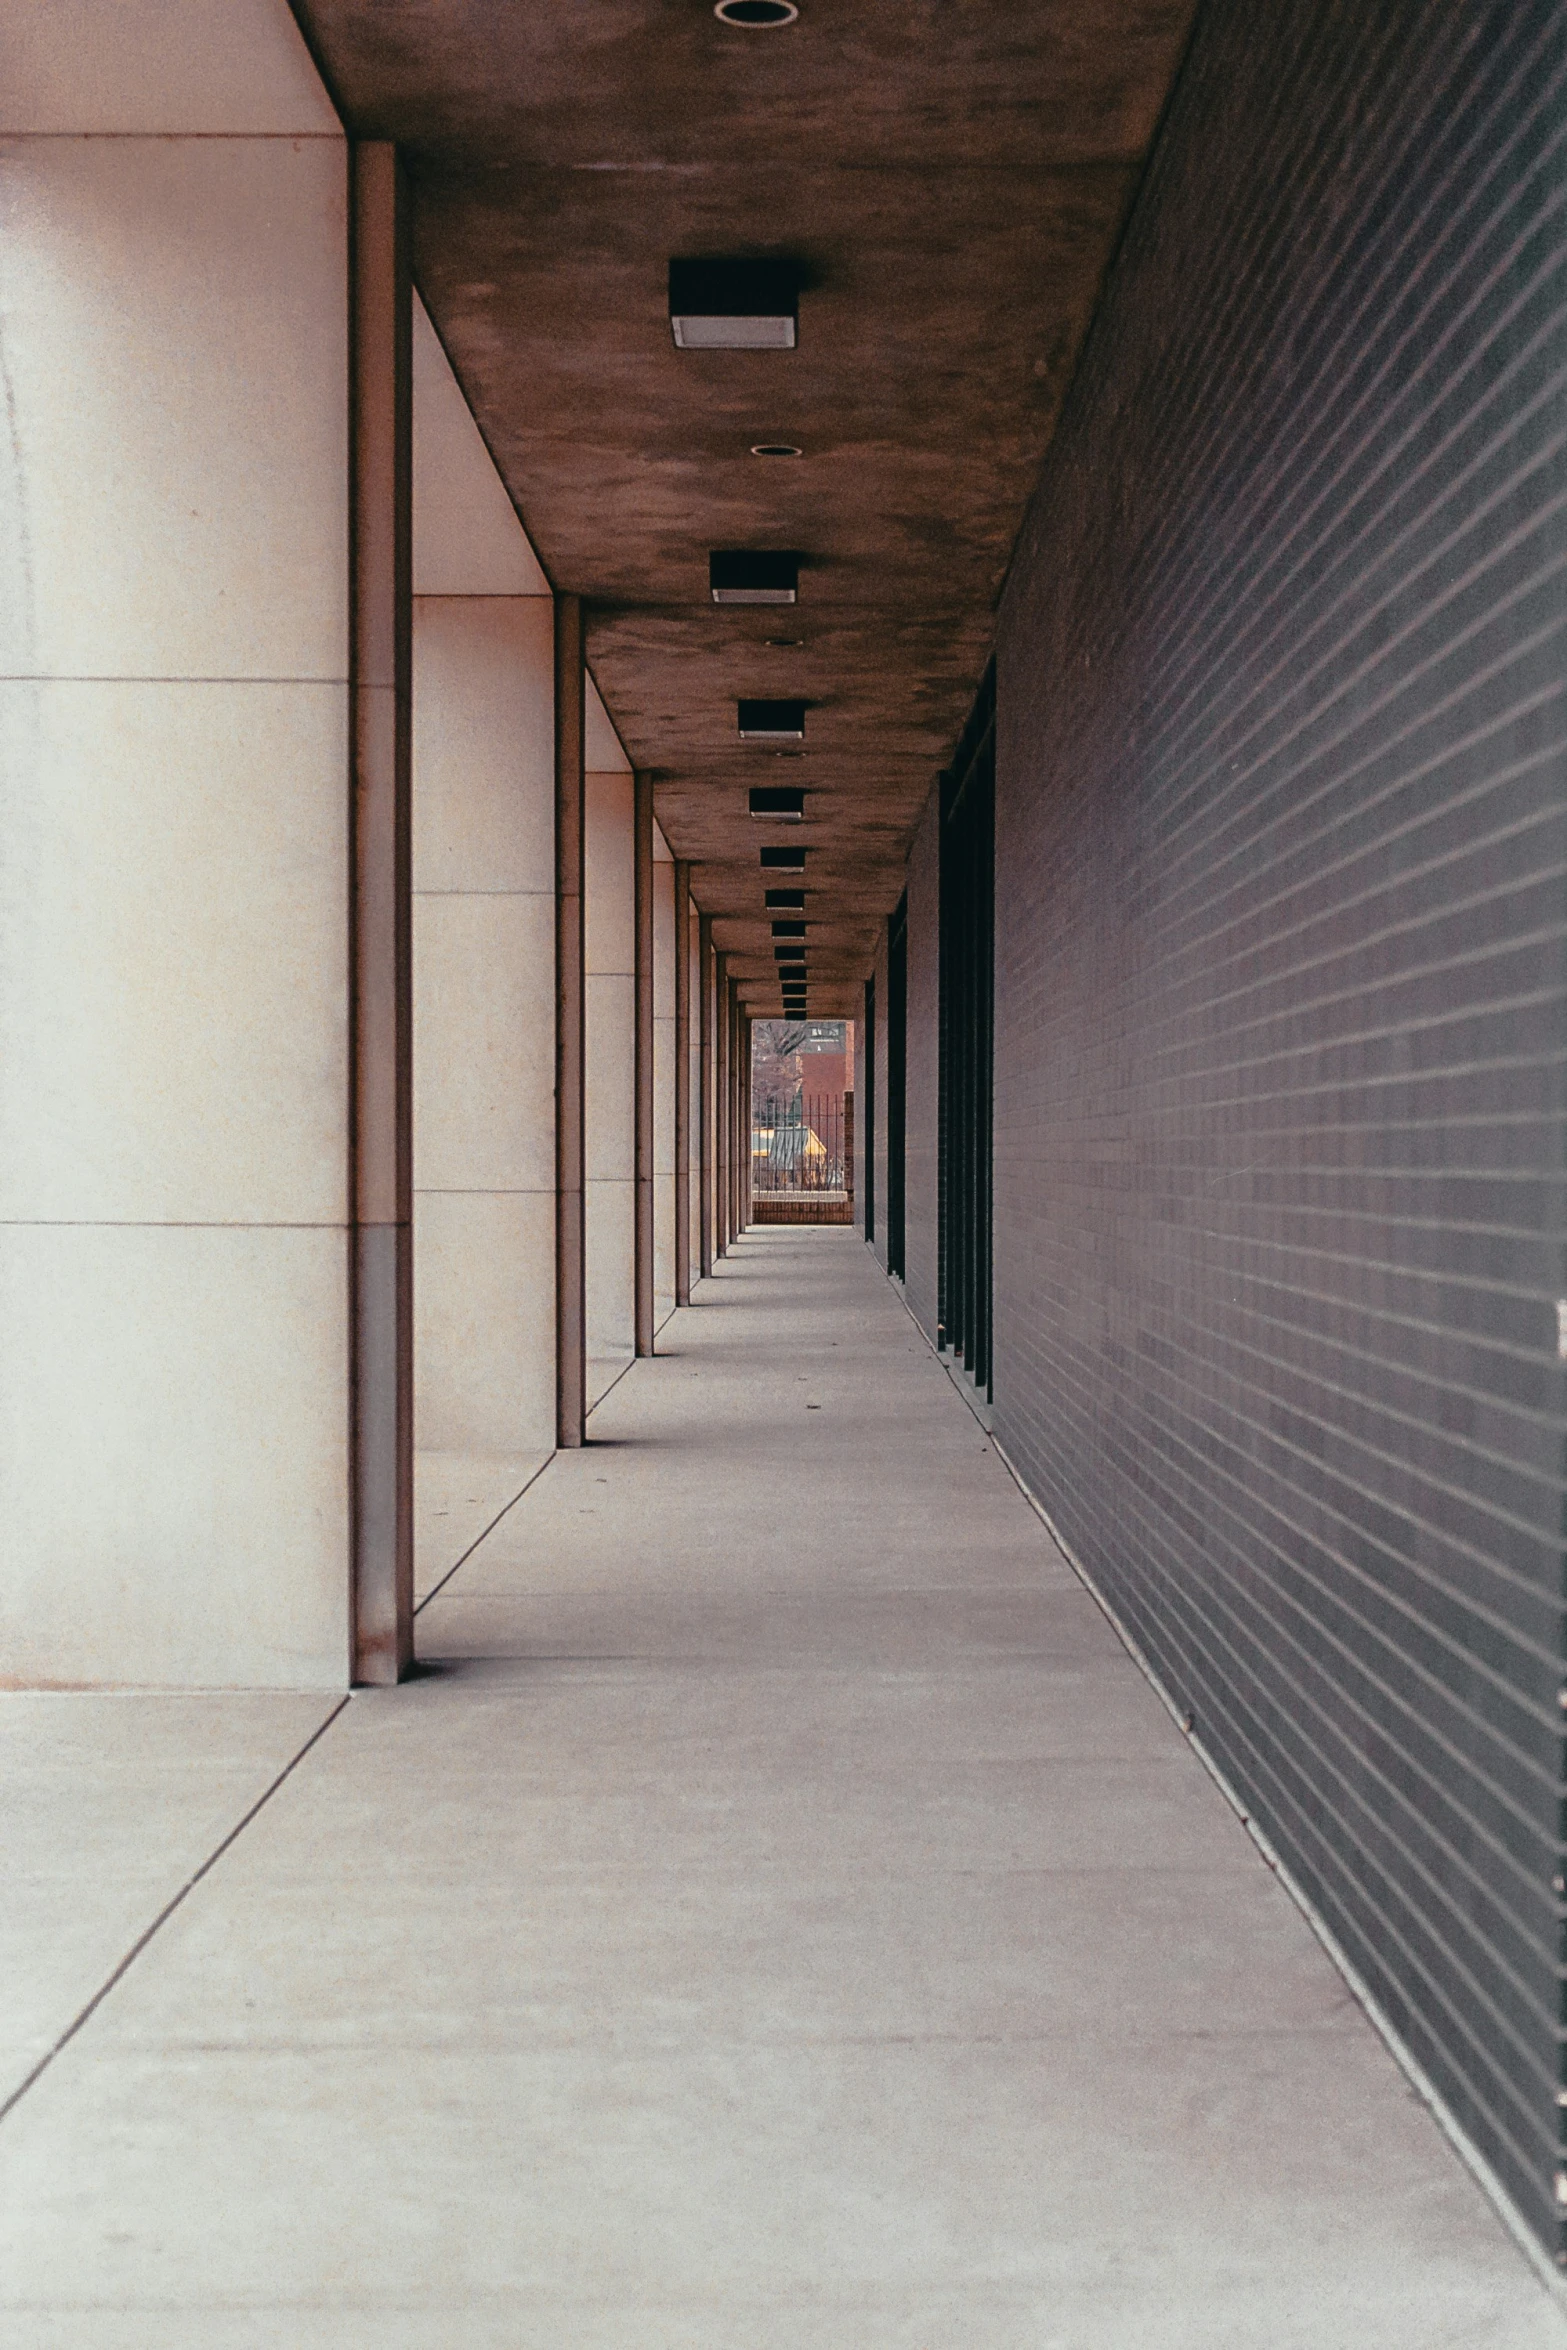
[752,576]
[776,449]
[781,803]
[790,860]
[756,16]
[734,305]
[771,722]
[785,897]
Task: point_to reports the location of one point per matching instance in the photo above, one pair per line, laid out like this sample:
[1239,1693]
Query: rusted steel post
[682,1082]
[571,1302]
[381,1163]
[643,1014]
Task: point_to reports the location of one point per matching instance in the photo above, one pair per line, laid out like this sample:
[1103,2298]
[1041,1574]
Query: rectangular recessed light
[785,897]
[734,305]
[788,930]
[771,722]
[790,860]
[741,577]
[781,802]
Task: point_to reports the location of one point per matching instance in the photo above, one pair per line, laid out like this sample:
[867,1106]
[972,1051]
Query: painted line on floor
[526,1487]
[167,1911]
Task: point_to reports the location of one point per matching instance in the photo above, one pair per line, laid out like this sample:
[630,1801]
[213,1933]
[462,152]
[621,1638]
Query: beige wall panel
[611,1056]
[173,1455]
[611,1240]
[158,66]
[602,751]
[174,933]
[609,911]
[484,1298]
[483,1043]
[467,538]
[174,916]
[484,745]
[609,1019]
[175,504]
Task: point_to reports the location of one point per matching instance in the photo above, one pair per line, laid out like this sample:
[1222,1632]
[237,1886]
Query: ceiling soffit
[951,177]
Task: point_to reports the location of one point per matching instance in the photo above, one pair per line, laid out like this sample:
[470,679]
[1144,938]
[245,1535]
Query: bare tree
[775,1063]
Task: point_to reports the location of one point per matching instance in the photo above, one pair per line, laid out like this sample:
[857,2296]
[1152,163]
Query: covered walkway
[781,1917]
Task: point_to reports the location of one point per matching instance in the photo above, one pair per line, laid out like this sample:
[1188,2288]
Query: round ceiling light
[775,449]
[756,15]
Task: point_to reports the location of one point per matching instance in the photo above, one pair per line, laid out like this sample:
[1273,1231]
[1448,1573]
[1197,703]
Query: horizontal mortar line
[1531,1416]
[1380,1641]
[486,893]
[178,1224]
[1209,1475]
[1330,464]
[1252,913]
[1333,598]
[127,677]
[192,1881]
[1282,756]
[1230,1001]
[337,138]
[484,1190]
[1317,736]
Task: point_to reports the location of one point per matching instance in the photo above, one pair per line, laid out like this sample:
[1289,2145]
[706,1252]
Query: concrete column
[694,1085]
[707,1187]
[484,950]
[683,1085]
[178,1204]
[642,1016]
[743,1105]
[610,1028]
[721,1122]
[381,975]
[664,1064]
[571,1341]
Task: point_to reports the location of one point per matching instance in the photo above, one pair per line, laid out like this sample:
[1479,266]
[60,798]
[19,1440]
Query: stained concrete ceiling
[951,175]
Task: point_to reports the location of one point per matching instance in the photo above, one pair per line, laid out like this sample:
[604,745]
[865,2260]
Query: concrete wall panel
[174,550]
[610,1050]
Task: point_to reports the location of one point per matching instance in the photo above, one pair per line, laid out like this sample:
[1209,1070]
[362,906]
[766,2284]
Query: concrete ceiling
[951,175]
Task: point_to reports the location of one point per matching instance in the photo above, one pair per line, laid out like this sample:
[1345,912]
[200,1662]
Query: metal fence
[801,1163]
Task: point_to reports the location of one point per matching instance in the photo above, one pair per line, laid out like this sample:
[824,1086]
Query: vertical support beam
[381,963]
[737,1156]
[721,1109]
[744,1106]
[706,1138]
[642,885]
[682,1082]
[571,1297]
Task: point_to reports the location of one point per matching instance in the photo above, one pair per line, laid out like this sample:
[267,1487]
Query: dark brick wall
[1282,988]
[919,1238]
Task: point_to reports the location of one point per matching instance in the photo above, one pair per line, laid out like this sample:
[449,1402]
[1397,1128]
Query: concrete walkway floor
[782,1918]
